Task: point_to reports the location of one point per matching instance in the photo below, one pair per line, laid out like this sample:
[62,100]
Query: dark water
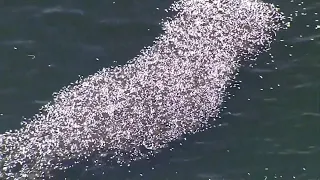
[270,130]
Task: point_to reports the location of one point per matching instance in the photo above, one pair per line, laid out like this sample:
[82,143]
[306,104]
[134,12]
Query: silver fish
[172,89]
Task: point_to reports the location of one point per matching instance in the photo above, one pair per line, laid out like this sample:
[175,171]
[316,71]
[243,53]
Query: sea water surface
[270,129]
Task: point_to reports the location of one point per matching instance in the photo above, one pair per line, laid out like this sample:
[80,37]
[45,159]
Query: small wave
[59,9]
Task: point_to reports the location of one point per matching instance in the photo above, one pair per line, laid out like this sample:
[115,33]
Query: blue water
[269,130]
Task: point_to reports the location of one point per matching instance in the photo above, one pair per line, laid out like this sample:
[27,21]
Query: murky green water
[270,129]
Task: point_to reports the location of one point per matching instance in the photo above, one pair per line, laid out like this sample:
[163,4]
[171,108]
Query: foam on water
[173,88]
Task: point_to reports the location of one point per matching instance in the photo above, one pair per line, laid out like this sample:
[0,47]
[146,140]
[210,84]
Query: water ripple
[314,114]
[17,42]
[59,9]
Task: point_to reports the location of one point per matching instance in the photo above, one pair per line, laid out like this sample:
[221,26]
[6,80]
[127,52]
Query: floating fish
[175,87]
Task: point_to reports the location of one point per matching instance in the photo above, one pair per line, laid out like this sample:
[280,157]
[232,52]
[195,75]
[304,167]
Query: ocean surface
[269,130]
